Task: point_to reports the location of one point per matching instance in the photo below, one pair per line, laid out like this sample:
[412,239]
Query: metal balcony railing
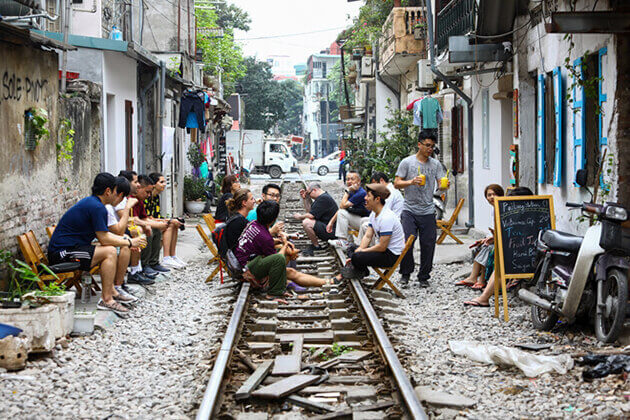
[457,18]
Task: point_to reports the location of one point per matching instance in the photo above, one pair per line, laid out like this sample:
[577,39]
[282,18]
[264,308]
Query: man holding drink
[419,175]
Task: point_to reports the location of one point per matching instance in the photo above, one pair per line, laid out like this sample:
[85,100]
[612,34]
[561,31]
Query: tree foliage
[400,139]
[232,16]
[220,54]
[293,95]
[263,97]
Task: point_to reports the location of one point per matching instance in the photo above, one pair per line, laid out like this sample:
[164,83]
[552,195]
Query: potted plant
[420,29]
[194,194]
[57,295]
[40,321]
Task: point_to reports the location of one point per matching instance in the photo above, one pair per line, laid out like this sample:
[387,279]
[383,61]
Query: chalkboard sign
[518,220]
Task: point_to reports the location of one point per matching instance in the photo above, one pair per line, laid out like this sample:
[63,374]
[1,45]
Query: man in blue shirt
[351,211]
[79,226]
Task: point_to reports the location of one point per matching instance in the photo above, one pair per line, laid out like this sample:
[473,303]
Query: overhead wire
[290,35]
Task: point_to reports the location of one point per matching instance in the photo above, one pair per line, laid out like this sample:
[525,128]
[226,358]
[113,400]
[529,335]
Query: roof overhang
[19,35]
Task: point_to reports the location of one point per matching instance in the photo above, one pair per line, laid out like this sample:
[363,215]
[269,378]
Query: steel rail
[404,386]
[210,397]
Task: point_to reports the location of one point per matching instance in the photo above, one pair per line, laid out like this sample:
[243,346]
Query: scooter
[583,276]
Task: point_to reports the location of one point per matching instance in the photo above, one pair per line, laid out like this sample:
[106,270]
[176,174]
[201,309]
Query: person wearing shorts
[79,226]
[317,216]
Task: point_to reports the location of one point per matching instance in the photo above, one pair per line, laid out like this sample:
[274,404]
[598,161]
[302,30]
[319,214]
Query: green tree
[232,16]
[337,94]
[293,95]
[263,97]
[220,53]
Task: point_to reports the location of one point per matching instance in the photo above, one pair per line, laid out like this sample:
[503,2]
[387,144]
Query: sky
[273,18]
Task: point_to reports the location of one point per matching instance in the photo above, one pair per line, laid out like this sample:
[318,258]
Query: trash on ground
[604,365]
[531,365]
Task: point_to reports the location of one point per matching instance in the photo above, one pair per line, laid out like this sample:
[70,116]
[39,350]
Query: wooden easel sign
[517,223]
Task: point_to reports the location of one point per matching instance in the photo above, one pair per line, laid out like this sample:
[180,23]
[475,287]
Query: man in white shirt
[394,202]
[385,227]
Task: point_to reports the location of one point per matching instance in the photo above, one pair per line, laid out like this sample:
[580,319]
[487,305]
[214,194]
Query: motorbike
[587,276]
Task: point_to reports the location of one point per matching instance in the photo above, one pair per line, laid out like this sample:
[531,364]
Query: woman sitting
[229,186]
[239,206]
[477,277]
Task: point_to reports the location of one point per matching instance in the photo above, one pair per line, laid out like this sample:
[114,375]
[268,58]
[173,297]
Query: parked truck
[261,155]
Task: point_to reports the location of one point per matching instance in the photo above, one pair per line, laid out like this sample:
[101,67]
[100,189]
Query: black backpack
[220,239]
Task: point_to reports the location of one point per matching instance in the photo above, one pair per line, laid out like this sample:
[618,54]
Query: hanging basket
[419,32]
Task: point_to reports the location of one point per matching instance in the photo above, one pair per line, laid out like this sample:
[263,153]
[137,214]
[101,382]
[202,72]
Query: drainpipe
[469,102]
[161,114]
[141,168]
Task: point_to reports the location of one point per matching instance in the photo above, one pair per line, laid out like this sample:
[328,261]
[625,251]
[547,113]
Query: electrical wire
[289,35]
[502,35]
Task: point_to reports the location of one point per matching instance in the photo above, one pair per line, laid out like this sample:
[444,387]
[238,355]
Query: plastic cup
[444,183]
[423,179]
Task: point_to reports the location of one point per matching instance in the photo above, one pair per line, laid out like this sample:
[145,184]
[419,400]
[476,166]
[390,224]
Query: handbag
[234,266]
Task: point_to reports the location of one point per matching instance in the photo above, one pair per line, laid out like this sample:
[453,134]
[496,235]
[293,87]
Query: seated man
[394,202]
[79,226]
[169,238]
[269,192]
[352,210]
[153,229]
[386,227]
[118,226]
[317,216]
[136,275]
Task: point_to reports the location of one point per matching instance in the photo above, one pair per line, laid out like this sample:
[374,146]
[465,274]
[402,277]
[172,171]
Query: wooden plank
[254,380]
[245,359]
[298,346]
[287,365]
[286,386]
[355,356]
[314,406]
[348,412]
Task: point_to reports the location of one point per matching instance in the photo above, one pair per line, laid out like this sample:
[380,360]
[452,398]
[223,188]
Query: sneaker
[296,287]
[308,252]
[339,243]
[349,272]
[115,307]
[160,268]
[404,281]
[123,296]
[423,283]
[149,275]
[171,263]
[138,278]
[180,261]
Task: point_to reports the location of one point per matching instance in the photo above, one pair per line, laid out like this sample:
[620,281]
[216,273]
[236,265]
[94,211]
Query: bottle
[115,34]
[86,289]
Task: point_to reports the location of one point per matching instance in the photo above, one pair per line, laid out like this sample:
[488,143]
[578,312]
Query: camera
[182,221]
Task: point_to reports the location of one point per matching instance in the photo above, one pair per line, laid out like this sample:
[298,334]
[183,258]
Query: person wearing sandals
[484,300]
[484,247]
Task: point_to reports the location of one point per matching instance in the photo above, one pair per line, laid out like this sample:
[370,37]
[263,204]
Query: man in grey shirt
[418,176]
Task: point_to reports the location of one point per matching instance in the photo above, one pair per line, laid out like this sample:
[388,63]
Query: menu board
[518,221]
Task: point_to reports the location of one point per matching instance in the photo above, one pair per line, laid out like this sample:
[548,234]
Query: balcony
[455,19]
[399,48]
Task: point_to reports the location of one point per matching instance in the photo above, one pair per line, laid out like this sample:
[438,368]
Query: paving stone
[443,399]
[357,394]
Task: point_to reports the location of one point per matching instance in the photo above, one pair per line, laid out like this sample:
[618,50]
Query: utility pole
[327,121]
[66,29]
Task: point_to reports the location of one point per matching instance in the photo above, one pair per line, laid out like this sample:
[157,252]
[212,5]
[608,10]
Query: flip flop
[512,284]
[476,304]
[478,286]
[464,283]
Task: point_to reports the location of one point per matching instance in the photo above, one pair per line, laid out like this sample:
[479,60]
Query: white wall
[87,18]
[500,138]
[119,80]
[544,56]
[383,94]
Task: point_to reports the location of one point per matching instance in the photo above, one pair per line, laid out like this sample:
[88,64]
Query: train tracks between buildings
[324,355]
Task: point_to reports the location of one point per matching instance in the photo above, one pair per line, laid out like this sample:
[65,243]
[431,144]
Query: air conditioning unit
[367,66]
[425,75]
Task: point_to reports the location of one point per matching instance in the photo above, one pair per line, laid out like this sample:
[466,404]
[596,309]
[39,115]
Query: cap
[378,190]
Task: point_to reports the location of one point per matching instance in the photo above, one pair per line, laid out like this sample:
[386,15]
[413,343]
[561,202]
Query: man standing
[418,175]
[317,216]
[79,226]
[352,210]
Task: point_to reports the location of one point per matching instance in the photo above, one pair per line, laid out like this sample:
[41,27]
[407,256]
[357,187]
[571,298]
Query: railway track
[323,355]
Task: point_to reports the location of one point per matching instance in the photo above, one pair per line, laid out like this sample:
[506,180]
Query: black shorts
[320,231]
[82,254]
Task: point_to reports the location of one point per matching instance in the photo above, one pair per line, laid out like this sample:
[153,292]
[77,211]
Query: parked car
[326,164]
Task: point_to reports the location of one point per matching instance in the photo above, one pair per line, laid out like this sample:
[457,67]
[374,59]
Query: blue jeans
[424,228]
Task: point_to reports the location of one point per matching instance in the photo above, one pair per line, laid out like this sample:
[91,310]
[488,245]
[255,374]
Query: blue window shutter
[603,136]
[579,121]
[540,138]
[559,135]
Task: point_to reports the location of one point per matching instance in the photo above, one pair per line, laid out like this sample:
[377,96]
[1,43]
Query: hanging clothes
[427,113]
[191,110]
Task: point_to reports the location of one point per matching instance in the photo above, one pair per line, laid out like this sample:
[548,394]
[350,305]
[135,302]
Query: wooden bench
[386,273]
[447,225]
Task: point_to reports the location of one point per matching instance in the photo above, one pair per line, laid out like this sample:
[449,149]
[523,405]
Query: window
[550,133]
